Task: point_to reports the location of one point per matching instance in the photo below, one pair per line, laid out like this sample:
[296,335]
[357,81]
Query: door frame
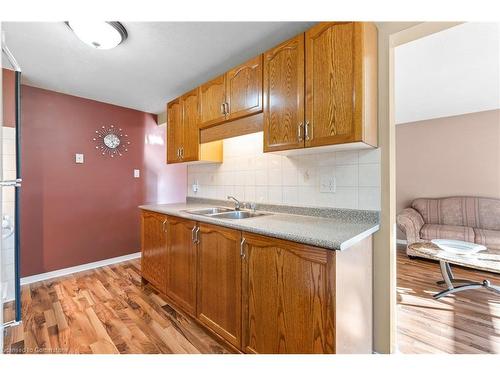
[1,205]
[390,35]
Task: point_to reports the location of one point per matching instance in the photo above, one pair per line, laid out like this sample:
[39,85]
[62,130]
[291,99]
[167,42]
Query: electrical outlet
[327,184]
[79,158]
[195,186]
[137,173]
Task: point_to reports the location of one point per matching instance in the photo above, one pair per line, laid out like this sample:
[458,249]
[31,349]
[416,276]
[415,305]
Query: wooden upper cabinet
[244,89]
[183,134]
[175,132]
[219,281]
[181,251]
[288,297]
[284,96]
[316,89]
[235,94]
[341,83]
[191,133]
[212,97]
[154,249]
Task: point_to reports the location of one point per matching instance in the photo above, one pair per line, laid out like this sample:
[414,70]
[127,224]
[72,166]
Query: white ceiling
[449,73]
[158,62]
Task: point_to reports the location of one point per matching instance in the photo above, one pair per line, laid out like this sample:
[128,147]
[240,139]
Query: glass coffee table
[487,260]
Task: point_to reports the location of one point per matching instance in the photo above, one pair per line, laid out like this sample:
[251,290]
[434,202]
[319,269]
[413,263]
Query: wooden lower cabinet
[219,281]
[154,249]
[288,298]
[181,253]
[261,294]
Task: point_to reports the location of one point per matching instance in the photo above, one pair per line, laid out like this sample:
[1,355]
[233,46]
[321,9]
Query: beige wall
[390,34]
[458,155]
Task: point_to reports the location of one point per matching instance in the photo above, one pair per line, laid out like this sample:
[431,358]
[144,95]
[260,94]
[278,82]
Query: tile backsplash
[253,176]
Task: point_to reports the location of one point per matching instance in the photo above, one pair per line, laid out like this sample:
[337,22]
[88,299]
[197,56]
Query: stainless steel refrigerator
[10,185]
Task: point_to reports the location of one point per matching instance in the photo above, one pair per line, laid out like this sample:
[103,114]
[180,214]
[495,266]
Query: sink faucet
[237,203]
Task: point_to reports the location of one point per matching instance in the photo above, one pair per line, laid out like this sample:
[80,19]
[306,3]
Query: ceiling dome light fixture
[100,35]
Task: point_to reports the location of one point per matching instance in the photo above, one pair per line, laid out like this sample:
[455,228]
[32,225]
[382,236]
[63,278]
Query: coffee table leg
[446,272]
[458,289]
[493,288]
[455,281]
[451,277]
[448,280]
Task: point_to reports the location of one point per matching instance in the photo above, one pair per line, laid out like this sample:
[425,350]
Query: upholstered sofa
[470,219]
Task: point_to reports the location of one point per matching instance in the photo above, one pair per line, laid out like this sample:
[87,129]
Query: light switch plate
[137,173]
[327,184]
[79,158]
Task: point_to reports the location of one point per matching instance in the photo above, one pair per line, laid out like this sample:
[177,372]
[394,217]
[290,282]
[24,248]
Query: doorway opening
[447,158]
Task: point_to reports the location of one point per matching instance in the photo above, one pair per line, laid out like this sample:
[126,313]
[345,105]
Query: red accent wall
[71,213]
[9,98]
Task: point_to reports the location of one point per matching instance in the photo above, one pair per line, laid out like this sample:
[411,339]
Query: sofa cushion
[488,214]
[472,212]
[450,232]
[488,238]
[458,211]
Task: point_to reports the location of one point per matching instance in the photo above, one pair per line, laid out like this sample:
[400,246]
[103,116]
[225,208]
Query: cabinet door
[219,281]
[174,131]
[182,263]
[288,297]
[212,96]
[244,89]
[190,144]
[284,96]
[330,83]
[154,249]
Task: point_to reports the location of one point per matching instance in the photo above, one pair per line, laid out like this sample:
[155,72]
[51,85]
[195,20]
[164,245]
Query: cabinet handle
[197,235]
[242,248]
[164,225]
[192,234]
[226,106]
[308,136]
[182,152]
[223,108]
[178,152]
[299,131]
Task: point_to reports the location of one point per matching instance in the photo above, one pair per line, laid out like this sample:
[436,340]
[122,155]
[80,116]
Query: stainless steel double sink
[226,213]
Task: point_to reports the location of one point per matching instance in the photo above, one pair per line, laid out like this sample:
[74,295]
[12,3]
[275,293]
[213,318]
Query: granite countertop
[335,229]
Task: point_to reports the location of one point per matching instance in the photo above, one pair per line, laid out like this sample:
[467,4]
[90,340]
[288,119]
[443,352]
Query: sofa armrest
[410,222]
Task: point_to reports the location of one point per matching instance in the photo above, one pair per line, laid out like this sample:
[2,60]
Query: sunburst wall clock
[111,141]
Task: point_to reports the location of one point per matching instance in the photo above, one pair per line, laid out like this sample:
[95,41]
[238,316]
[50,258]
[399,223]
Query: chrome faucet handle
[251,205]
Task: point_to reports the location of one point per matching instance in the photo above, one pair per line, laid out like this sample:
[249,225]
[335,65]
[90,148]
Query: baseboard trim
[402,242]
[80,268]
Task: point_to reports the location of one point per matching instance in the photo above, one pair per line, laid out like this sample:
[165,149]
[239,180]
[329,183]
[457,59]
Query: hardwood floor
[105,310]
[468,322]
